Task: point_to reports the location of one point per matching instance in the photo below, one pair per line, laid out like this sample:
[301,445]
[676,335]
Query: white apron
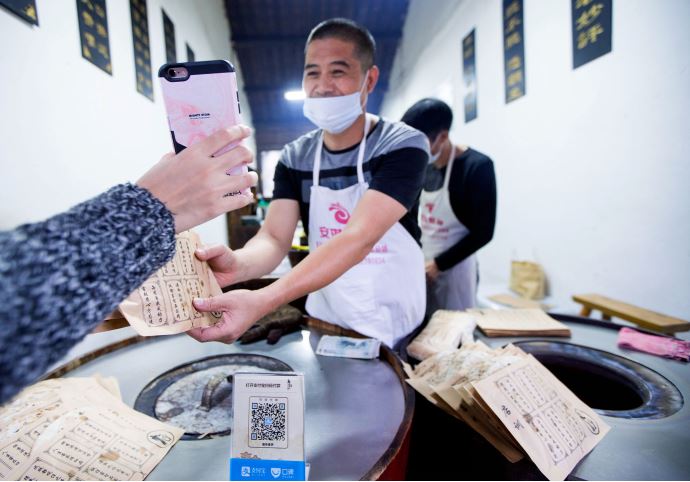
[455,288]
[383,296]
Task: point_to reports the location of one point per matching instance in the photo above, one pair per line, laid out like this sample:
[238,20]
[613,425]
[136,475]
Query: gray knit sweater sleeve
[61,277]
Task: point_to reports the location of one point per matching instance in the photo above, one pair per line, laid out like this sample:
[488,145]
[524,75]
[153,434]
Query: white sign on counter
[268,432]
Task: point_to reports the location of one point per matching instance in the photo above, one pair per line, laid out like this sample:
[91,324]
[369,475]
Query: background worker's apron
[455,288]
[383,296]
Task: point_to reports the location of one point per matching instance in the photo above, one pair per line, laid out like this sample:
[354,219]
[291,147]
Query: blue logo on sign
[253,469]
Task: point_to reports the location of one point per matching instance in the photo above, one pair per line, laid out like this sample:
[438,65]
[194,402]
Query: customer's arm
[62,276]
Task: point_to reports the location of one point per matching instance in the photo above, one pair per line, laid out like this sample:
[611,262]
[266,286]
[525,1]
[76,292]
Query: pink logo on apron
[342,215]
[428,222]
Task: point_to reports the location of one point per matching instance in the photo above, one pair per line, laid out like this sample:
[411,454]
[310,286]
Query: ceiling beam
[244,41]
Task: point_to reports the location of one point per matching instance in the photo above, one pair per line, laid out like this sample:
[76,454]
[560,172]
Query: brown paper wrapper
[162,305]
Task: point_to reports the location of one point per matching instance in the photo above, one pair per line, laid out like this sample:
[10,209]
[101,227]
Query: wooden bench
[640,316]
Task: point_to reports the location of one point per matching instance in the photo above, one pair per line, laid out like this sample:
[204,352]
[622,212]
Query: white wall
[593,164]
[68,129]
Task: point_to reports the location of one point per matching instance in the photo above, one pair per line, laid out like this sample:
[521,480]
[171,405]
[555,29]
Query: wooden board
[640,316]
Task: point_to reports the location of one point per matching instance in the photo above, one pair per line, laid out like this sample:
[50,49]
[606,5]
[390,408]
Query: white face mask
[334,114]
[434,157]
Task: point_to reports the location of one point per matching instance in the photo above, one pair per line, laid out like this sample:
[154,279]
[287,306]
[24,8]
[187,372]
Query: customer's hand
[193,184]
[241,309]
[223,263]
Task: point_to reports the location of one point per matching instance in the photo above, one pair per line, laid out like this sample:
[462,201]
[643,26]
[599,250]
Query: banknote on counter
[346,347]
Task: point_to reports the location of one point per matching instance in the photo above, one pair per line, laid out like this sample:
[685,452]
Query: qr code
[268,422]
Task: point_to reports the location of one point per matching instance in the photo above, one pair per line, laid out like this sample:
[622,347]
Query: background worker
[457,210]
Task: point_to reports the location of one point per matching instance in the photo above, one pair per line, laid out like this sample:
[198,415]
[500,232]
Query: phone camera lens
[172,73]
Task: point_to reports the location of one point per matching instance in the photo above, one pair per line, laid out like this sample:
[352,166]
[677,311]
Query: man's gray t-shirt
[395,159]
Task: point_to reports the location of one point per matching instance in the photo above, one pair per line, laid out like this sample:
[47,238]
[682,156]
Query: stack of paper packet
[518,322]
[79,429]
[514,402]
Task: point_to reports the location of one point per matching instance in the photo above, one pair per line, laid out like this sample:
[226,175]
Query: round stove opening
[197,396]
[596,387]
[612,385]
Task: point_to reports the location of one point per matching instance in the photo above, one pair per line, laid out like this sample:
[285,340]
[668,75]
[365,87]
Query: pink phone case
[199,105]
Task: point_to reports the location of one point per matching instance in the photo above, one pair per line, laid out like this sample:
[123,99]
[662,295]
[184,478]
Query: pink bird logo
[341,214]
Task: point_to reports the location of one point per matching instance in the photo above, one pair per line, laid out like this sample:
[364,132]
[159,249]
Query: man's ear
[373,78]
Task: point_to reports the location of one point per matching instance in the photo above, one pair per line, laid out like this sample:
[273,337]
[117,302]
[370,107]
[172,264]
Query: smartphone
[200,98]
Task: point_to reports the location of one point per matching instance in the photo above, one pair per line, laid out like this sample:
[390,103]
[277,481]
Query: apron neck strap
[449,167]
[360,154]
[362,147]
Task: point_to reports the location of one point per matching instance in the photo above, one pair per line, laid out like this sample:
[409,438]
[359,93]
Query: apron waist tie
[331,329]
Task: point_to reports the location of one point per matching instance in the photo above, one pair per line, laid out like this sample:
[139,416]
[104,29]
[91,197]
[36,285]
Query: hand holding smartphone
[200,99]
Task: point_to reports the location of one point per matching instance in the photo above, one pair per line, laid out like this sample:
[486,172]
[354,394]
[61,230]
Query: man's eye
[311,74]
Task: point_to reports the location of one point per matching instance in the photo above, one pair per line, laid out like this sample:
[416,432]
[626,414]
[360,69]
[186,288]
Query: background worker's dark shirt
[472,191]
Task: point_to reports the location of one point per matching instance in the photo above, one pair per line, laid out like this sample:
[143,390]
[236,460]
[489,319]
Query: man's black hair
[348,31]
[431,116]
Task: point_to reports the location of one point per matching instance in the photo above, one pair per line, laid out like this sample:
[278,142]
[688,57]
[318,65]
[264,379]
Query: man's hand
[241,309]
[223,263]
[432,270]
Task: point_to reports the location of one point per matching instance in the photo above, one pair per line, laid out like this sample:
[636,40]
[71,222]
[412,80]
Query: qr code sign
[268,422]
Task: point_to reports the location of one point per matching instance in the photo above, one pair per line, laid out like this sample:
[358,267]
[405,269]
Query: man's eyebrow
[342,63]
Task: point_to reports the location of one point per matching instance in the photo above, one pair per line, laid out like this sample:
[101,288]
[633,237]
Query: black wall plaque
[25,9]
[142,49]
[169,34]
[469,76]
[514,49]
[592,20]
[93,31]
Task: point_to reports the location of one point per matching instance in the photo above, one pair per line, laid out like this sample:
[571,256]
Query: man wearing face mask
[457,209]
[355,183]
